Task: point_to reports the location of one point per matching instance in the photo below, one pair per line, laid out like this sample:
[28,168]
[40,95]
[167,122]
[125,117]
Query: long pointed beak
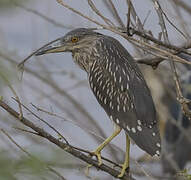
[55,46]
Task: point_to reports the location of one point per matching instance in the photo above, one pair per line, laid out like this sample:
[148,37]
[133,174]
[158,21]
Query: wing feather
[121,90]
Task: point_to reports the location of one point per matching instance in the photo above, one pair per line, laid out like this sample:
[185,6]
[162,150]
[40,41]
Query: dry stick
[161,53]
[114,12]
[63,145]
[158,42]
[25,130]
[136,18]
[21,64]
[106,20]
[31,156]
[132,40]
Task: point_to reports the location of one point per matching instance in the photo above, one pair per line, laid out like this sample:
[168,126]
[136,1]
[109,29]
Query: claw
[123,170]
[125,165]
[98,155]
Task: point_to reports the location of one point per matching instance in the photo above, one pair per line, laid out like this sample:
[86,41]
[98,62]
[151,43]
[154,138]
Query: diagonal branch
[67,148]
[106,20]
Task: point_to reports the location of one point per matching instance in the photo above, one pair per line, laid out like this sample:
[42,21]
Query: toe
[123,171]
[98,155]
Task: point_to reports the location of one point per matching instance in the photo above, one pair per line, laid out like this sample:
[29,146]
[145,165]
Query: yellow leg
[126,163]
[97,152]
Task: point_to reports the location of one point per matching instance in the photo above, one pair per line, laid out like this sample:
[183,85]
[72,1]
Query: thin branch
[111,7]
[106,20]
[25,130]
[182,49]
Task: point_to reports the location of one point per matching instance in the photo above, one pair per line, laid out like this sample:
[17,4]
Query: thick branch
[63,145]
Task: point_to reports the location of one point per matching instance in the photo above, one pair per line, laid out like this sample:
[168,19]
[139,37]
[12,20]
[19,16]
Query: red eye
[74,39]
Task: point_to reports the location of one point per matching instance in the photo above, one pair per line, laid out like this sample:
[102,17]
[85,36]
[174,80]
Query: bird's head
[73,41]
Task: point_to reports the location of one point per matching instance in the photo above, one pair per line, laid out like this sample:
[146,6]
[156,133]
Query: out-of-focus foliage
[10,167]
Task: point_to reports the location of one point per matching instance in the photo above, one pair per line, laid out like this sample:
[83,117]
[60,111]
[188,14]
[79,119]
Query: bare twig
[21,64]
[50,126]
[182,49]
[106,20]
[110,5]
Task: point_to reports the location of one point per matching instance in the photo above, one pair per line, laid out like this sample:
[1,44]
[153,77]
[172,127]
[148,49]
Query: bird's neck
[84,58]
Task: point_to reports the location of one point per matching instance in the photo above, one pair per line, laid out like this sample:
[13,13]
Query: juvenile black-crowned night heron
[118,85]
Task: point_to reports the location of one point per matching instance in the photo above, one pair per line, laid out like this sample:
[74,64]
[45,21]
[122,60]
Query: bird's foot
[124,169]
[98,155]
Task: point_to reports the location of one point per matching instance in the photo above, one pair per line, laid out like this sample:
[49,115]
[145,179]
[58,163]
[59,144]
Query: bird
[118,85]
